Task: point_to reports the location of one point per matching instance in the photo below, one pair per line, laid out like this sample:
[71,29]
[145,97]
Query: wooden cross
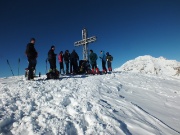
[84,42]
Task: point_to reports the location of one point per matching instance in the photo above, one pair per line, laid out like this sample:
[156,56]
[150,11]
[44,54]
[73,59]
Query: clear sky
[125,28]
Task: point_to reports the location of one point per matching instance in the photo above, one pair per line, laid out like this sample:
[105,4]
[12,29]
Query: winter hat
[91,50]
[107,53]
[52,46]
[32,39]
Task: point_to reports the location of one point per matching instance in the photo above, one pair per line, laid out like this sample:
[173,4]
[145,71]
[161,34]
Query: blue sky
[125,28]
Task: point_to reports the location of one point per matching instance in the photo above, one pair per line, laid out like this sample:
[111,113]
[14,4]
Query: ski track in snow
[88,105]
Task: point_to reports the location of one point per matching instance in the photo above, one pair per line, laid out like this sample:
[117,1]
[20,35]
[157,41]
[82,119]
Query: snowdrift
[119,103]
[150,65]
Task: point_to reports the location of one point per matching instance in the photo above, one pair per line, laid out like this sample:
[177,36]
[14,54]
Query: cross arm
[85,41]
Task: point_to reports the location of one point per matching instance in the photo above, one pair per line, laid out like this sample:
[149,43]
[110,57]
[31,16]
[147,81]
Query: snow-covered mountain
[119,103]
[150,65]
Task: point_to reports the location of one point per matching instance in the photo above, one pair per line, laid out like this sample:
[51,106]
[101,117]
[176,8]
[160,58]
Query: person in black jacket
[31,54]
[109,59]
[52,58]
[74,62]
[66,60]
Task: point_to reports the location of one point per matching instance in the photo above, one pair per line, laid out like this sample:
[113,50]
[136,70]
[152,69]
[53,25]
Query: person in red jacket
[60,58]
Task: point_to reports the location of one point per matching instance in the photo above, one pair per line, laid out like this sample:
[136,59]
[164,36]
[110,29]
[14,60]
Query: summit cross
[84,42]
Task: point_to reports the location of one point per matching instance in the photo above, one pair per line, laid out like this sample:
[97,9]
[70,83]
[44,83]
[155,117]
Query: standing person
[31,54]
[66,60]
[74,62]
[52,58]
[93,58]
[103,58]
[60,58]
[109,59]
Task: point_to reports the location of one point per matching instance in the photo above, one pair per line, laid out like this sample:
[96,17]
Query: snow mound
[150,65]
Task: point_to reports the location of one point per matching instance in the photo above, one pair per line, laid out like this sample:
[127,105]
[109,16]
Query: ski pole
[18,65]
[10,67]
[46,65]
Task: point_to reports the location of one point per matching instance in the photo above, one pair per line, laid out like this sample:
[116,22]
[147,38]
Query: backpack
[53,74]
[111,58]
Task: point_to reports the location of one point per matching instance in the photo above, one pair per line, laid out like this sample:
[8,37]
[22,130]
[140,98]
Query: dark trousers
[52,64]
[109,65]
[94,65]
[61,67]
[95,69]
[104,65]
[74,67]
[67,67]
[31,68]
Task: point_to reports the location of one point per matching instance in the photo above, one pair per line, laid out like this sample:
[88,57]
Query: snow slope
[119,103]
[150,65]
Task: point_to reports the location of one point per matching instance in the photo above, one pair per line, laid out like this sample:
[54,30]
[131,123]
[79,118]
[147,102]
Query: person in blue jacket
[103,58]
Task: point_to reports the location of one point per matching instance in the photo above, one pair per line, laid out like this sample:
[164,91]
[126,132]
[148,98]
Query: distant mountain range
[150,65]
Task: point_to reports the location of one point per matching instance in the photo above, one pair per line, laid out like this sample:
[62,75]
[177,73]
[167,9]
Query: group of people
[67,58]
[93,60]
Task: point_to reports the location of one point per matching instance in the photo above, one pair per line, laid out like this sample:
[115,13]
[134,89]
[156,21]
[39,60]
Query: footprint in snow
[66,101]
[89,106]
[70,129]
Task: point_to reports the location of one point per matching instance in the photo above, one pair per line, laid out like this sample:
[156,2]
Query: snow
[120,103]
[150,65]
[116,103]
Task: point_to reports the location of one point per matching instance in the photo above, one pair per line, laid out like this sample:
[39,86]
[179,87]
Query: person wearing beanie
[103,58]
[93,58]
[31,54]
[52,58]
